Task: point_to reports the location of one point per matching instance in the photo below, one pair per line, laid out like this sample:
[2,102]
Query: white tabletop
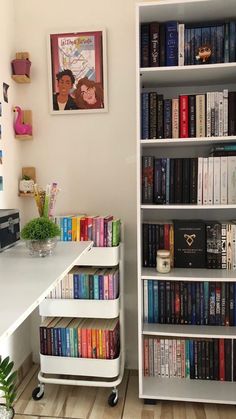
[26,280]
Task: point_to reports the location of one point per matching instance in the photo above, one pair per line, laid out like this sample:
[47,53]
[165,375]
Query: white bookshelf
[83,371]
[172,81]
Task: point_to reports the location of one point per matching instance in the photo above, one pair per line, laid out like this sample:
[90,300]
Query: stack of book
[80,338]
[202,180]
[186,302]
[103,231]
[91,283]
[209,114]
[211,359]
[173,43]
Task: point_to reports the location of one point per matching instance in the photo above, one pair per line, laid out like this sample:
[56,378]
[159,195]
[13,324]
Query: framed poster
[77,72]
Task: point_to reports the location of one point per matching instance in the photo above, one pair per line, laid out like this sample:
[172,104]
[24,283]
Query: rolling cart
[87,371]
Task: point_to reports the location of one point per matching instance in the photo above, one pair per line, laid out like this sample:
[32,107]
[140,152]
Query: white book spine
[225,112]
[223,179]
[158,357]
[216,114]
[233,231]
[231,179]
[171,373]
[63,287]
[167,358]
[155,357]
[199,180]
[150,353]
[221,114]
[200,116]
[208,114]
[212,96]
[145,301]
[216,180]
[163,371]
[210,180]
[70,285]
[205,181]
[229,245]
[174,358]
[181,43]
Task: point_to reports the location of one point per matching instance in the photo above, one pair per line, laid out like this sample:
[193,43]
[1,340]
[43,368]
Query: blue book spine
[144,115]
[150,301]
[191,358]
[61,228]
[63,341]
[232,34]
[68,349]
[59,341]
[167,118]
[220,44]
[155,302]
[186,46]
[69,229]
[55,342]
[80,292]
[65,221]
[206,303]
[145,45]
[171,43]
[86,286]
[201,303]
[167,181]
[197,44]
[96,287]
[187,359]
[192,46]
[101,293]
[83,291]
[76,286]
[226,42]
[213,44]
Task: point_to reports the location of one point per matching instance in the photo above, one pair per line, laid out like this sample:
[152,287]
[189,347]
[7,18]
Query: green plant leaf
[12,378]
[40,228]
[12,397]
[4,363]
[9,368]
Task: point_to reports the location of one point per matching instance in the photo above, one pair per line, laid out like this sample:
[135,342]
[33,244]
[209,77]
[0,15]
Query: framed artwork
[77,72]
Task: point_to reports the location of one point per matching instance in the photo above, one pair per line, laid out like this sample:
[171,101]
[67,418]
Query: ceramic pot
[20,67]
[6,414]
[26,186]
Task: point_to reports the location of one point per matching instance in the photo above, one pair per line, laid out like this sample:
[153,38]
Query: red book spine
[222,359]
[177,302]
[183,115]
[167,236]
[89,343]
[145,357]
[84,343]
[82,229]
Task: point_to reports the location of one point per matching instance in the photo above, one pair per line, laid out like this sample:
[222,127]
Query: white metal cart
[87,371]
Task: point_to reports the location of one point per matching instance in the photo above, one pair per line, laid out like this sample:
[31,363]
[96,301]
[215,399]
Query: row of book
[103,231]
[210,114]
[197,359]
[173,43]
[196,303]
[192,244]
[89,282]
[202,180]
[80,338]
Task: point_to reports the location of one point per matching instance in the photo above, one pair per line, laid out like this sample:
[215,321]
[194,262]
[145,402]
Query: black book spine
[211,359]
[193,180]
[223,303]
[163,179]
[196,372]
[232,113]
[162,45]
[231,304]
[154,44]
[203,359]
[198,303]
[185,302]
[212,304]
[149,245]
[145,245]
[158,198]
[157,239]
[189,311]
[181,302]
[227,302]
[172,301]
[186,179]
[216,360]
[160,117]
[178,180]
[161,236]
[167,118]
[207,360]
[147,179]
[168,303]
[177,302]
[145,45]
[153,245]
[192,115]
[172,181]
[234,359]
[228,359]
[201,303]
[218,300]
[162,301]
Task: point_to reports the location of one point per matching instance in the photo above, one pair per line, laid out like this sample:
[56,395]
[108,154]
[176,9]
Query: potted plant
[7,387]
[26,184]
[40,235]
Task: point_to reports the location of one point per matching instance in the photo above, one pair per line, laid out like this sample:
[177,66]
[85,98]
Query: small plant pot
[6,414]
[20,67]
[41,248]
[26,186]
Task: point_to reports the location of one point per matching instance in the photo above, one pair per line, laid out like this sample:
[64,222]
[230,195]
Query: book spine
[171,43]
[183,112]
[152,115]
[175,118]
[200,115]
[154,44]
[145,45]
[144,115]
[192,116]
[200,181]
[181,44]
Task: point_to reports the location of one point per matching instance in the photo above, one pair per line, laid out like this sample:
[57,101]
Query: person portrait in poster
[88,94]
[62,100]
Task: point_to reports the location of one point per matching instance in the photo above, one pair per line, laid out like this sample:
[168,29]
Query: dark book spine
[163,180]
[232,113]
[172,181]
[189,303]
[203,359]
[211,360]
[154,44]
[220,44]
[196,371]
[193,180]
[145,45]
[191,359]
[167,118]
[213,45]
[192,115]
[177,302]
[226,43]
[168,302]
[147,179]
[218,300]
[193,299]
[152,115]
[234,359]
[185,183]
[161,236]
[162,45]
[228,359]
[178,180]
[172,43]
[198,303]
[172,301]
[212,303]
[185,302]
[232,44]
[149,245]
[231,304]
[160,117]
[201,303]
[157,194]
[145,245]
[153,245]
[181,302]
[207,360]
[216,360]
[145,116]
[221,359]
[227,303]
[162,302]
[223,303]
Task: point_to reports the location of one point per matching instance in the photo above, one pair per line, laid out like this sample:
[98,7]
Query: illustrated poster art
[77,72]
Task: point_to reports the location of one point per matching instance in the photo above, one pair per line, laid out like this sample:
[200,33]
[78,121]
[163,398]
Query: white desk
[25,280]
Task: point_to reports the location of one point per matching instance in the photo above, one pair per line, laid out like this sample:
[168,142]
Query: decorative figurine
[204,53]
[19,126]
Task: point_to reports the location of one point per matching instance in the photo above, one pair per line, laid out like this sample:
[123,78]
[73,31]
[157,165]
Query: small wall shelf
[26,195]
[21,78]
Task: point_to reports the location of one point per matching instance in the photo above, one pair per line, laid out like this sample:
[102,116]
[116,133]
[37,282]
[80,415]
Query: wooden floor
[88,402]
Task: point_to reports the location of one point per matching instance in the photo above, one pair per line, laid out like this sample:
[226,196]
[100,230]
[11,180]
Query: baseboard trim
[24,368]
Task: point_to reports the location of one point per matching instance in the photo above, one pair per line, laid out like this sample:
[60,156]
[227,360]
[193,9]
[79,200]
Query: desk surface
[25,280]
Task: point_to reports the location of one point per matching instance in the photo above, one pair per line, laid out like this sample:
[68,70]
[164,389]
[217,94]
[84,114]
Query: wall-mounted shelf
[20,78]
[26,195]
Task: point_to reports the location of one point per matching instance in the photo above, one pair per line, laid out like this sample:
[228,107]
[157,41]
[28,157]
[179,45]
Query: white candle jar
[163,261]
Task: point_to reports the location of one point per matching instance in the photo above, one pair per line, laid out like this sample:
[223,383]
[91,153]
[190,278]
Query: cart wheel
[113,399]
[38,393]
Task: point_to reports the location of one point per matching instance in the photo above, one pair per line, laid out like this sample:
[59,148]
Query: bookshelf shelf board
[21,78]
[188,207]
[26,195]
[24,137]
[184,274]
[188,75]
[206,391]
[224,332]
[185,142]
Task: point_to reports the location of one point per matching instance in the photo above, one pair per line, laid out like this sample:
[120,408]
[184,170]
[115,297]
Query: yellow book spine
[78,229]
[74,228]
[171,245]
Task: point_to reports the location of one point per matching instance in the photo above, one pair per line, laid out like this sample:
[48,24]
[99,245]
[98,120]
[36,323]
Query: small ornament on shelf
[22,123]
[204,53]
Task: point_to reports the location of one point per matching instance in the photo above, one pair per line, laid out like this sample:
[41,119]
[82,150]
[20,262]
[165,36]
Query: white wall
[18,345]
[92,156]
